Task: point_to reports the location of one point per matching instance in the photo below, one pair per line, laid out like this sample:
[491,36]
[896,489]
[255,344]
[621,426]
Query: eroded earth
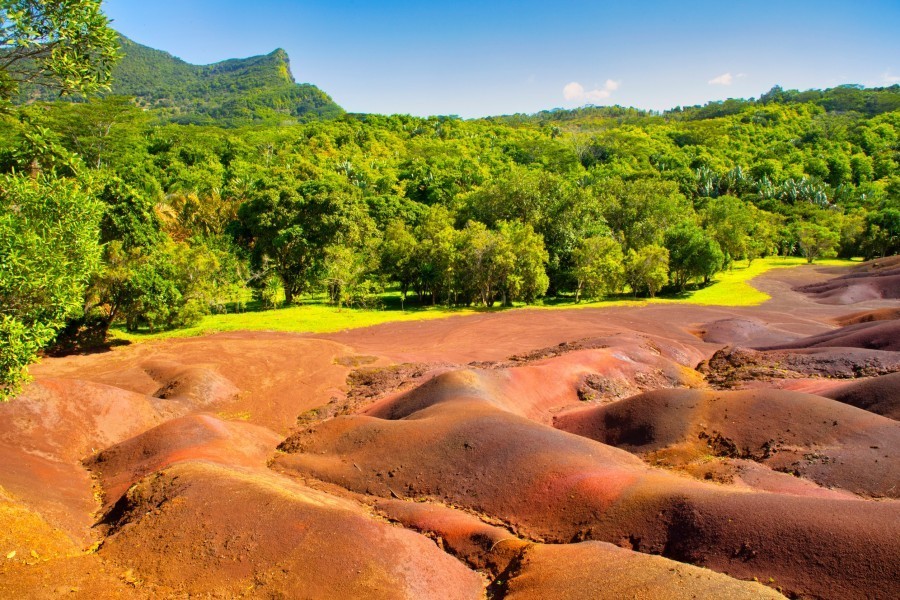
[664,451]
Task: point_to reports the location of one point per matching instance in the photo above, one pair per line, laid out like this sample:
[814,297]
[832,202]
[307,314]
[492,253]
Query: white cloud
[890,79]
[575,92]
[723,79]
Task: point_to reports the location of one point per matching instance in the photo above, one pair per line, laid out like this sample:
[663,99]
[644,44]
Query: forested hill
[842,99]
[259,89]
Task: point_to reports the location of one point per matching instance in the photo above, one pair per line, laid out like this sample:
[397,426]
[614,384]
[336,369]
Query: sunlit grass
[729,288]
[733,288]
[312,317]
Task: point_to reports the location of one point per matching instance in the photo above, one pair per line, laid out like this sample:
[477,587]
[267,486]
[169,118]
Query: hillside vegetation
[212,192]
[259,89]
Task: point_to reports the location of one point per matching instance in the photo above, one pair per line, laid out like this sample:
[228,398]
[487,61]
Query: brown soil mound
[550,485]
[45,433]
[277,375]
[867,316]
[597,570]
[742,332]
[877,265]
[540,389]
[877,279]
[82,577]
[186,499]
[832,444]
[734,367]
[749,475]
[586,570]
[195,437]
[240,533]
[877,335]
[194,385]
[482,546]
[880,395]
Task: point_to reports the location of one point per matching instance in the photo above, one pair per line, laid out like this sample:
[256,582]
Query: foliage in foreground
[49,230]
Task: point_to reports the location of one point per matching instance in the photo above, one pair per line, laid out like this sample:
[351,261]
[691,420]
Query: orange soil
[152,470]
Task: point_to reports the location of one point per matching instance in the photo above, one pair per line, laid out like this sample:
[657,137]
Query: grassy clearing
[313,316]
[729,288]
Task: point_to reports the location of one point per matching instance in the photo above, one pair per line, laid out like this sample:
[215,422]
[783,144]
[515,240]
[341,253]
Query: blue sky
[499,57]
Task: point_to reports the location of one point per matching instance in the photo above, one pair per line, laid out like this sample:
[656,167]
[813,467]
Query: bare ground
[664,451]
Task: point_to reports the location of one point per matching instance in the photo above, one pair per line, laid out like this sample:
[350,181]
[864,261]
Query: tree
[398,256]
[63,45]
[436,254]
[48,250]
[638,212]
[104,131]
[762,236]
[523,275]
[692,254]
[882,233]
[729,221]
[598,267]
[816,241]
[647,269]
[350,274]
[507,264]
[292,226]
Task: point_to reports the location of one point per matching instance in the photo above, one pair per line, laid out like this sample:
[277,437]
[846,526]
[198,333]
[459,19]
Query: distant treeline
[579,204]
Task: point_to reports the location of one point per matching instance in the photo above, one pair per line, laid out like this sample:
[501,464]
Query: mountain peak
[283,64]
[234,91]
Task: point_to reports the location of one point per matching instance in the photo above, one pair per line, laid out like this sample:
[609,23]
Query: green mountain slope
[259,89]
[237,91]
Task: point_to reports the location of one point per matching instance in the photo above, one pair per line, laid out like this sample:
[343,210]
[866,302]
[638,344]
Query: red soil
[552,486]
[584,570]
[190,438]
[829,443]
[873,280]
[875,335]
[867,316]
[163,455]
[880,395]
[743,332]
[211,530]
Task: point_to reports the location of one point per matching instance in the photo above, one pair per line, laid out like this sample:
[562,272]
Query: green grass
[732,288]
[311,317]
[729,288]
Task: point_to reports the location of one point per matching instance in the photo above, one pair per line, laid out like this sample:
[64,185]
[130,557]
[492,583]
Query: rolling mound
[194,437]
[875,335]
[880,395]
[867,316]
[877,279]
[277,375]
[832,444]
[238,532]
[596,570]
[734,367]
[584,570]
[743,332]
[419,459]
[536,387]
[549,485]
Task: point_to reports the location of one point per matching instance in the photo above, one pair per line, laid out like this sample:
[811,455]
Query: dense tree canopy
[577,204]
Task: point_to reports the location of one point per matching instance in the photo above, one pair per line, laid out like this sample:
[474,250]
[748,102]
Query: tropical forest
[585,274]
